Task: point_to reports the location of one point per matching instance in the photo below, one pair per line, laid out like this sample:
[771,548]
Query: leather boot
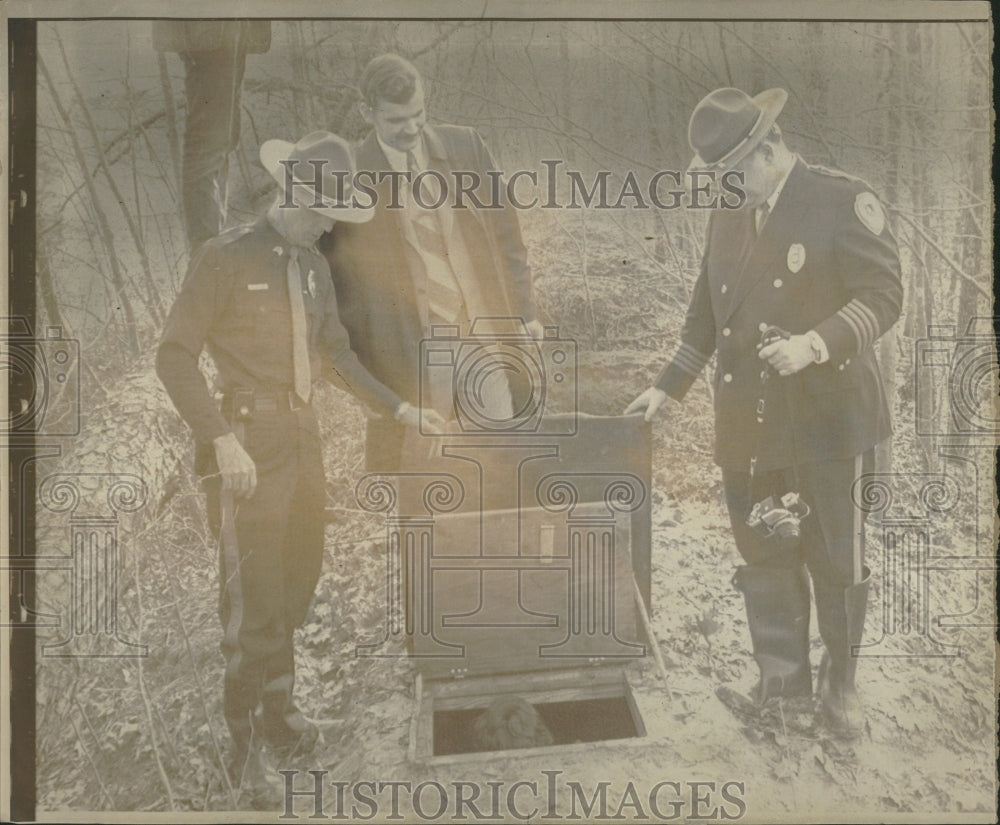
[247,775]
[246,771]
[841,616]
[287,732]
[777,602]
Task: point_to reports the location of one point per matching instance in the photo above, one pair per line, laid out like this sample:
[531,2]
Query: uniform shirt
[824,260]
[235,301]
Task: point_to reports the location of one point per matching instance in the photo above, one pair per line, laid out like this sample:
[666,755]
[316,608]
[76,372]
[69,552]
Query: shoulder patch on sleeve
[869,212]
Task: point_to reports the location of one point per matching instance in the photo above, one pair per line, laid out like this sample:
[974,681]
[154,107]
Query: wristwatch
[816,345]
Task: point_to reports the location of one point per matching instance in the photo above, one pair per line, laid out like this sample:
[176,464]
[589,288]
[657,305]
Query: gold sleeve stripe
[853,324]
[862,321]
[690,360]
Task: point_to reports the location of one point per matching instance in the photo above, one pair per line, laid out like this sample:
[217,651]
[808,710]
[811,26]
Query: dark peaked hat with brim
[728,124]
[335,191]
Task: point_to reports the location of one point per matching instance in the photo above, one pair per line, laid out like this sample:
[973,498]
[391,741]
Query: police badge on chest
[796,257]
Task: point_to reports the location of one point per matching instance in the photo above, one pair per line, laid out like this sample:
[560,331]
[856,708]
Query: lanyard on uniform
[767,337]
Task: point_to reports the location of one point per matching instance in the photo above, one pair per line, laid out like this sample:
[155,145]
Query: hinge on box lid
[458,672]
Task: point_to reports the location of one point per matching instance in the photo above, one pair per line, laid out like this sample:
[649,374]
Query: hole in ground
[583,720]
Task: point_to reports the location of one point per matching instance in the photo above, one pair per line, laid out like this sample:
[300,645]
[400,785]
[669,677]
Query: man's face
[758,175]
[398,124]
[303,227]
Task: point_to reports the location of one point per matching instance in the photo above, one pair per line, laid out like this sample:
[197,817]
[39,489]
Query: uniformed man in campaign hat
[261,299]
[796,286]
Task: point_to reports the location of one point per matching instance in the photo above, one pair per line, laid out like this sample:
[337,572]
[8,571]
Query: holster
[237,407]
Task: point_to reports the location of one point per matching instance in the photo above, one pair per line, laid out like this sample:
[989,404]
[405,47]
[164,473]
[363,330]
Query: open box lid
[592,458]
[520,590]
[516,549]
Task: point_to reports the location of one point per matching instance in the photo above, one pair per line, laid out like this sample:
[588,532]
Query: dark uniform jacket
[825,260]
[235,300]
[381,300]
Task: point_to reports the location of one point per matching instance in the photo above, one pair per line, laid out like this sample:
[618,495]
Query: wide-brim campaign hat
[728,124]
[332,154]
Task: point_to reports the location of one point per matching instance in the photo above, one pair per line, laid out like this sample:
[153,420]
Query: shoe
[248,777]
[288,735]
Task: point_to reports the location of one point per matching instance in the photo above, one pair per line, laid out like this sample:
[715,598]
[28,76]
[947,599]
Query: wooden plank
[555,750]
[518,682]
[535,697]
[640,726]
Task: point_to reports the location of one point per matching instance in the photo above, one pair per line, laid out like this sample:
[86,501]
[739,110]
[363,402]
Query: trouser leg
[252,600]
[284,726]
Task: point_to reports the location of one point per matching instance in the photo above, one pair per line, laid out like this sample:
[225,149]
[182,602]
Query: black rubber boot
[777,601]
[841,616]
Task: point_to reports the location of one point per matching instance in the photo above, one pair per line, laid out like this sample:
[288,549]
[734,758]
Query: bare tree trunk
[103,225]
[170,112]
[130,220]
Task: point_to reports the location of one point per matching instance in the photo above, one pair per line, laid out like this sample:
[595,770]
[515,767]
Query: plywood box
[517,560]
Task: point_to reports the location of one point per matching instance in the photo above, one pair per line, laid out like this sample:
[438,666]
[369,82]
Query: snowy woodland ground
[147,734]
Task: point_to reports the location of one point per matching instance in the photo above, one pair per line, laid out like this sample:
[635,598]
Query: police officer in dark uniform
[260,297]
[808,261]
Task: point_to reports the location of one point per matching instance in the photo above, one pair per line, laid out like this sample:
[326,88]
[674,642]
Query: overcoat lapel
[438,161]
[372,158]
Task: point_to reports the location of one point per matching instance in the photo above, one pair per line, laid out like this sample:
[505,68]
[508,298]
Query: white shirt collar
[397,159]
[773,197]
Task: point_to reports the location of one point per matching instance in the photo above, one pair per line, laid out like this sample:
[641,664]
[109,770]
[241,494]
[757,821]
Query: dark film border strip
[22,41]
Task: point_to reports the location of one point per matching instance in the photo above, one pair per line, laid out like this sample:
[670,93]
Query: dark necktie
[444,298]
[300,346]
